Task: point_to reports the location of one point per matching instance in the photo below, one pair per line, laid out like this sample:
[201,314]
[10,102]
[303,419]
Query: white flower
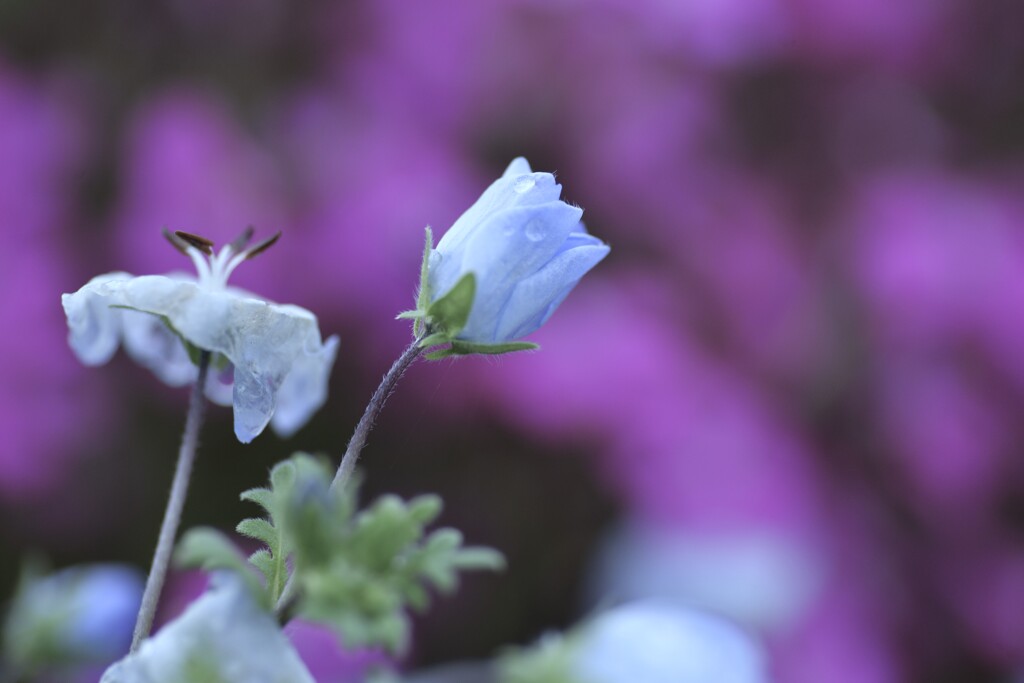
[526,248]
[268,360]
[223,636]
[659,642]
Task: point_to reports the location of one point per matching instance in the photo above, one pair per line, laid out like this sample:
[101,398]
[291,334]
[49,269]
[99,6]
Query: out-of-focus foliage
[355,571]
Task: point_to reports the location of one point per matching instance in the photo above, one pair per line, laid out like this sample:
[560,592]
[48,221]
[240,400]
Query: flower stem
[175,504]
[286,601]
[373,409]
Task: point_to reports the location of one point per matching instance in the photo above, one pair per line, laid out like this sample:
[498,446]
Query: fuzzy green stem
[175,505]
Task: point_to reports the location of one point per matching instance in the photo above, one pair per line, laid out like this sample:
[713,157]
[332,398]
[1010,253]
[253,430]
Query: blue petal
[518,187]
[535,298]
[516,244]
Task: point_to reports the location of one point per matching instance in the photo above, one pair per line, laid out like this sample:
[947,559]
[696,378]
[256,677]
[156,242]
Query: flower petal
[263,341]
[536,297]
[224,634]
[304,389]
[151,344]
[516,188]
[516,244]
[94,329]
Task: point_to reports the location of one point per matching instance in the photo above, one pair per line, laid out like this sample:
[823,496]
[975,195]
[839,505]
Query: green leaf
[462,348]
[550,660]
[449,314]
[477,558]
[423,296]
[262,497]
[410,315]
[434,340]
[259,529]
[208,549]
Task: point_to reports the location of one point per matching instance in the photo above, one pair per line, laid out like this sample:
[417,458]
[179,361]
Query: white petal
[263,341]
[304,390]
[658,642]
[151,344]
[224,633]
[94,329]
[536,297]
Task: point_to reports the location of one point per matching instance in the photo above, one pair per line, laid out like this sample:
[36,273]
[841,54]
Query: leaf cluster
[356,571]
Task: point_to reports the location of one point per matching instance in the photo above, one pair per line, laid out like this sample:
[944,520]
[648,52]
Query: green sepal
[465,348]
[208,549]
[423,293]
[435,339]
[448,315]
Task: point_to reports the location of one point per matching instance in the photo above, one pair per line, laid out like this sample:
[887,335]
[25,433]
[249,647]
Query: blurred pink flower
[49,406]
[188,165]
[370,189]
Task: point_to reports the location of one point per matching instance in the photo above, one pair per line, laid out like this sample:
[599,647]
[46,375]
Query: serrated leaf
[262,497]
[449,314]
[208,549]
[425,508]
[283,474]
[444,539]
[264,561]
[477,558]
[259,529]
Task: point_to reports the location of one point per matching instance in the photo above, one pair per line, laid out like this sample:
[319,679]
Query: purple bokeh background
[810,328]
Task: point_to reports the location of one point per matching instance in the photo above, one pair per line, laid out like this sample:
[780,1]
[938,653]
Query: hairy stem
[373,409]
[289,595]
[175,504]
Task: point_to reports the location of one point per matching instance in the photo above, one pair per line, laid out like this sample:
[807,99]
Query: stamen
[240,242]
[263,246]
[176,242]
[201,243]
[201,264]
[232,264]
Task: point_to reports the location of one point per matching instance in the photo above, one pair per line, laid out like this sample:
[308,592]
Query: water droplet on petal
[534,230]
[524,184]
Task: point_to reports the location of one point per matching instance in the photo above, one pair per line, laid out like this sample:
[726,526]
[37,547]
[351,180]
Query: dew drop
[524,184]
[534,230]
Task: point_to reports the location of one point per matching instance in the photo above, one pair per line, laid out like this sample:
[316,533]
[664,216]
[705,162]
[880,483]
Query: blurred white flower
[223,636]
[268,360]
[76,616]
[659,642]
[762,579]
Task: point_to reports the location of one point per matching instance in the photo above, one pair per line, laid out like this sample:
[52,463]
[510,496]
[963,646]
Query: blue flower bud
[526,248]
